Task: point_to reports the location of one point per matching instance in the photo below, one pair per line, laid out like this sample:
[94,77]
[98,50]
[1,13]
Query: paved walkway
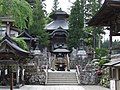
[67,87]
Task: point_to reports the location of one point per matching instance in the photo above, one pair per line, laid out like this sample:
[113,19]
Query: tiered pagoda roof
[59,13]
[59,20]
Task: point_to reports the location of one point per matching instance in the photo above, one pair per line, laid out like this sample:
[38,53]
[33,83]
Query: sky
[65,5]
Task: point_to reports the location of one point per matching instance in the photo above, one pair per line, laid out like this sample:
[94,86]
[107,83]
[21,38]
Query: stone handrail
[46,74]
[77,74]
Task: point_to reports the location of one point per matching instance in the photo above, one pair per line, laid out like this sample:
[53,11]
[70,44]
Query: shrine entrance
[60,66]
[60,60]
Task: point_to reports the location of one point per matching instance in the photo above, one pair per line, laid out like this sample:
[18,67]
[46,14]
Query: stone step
[62,75]
[62,78]
[62,83]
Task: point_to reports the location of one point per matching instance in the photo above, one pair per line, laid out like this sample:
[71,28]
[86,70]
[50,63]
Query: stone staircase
[62,78]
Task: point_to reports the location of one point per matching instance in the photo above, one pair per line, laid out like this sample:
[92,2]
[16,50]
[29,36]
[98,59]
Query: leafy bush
[101,52]
[21,43]
[105,80]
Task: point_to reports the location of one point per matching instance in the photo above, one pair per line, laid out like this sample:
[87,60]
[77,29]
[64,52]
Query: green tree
[19,10]
[76,23]
[55,5]
[21,43]
[91,8]
[37,28]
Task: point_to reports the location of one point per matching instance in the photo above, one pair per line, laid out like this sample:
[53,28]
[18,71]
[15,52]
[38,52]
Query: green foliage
[55,5]
[76,24]
[20,11]
[21,43]
[37,28]
[105,80]
[91,8]
[48,20]
[105,44]
[101,52]
[1,5]
[89,36]
[102,61]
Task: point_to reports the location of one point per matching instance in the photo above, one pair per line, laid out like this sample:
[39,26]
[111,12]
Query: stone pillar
[53,62]
[0,72]
[117,73]
[17,74]
[49,60]
[22,75]
[68,63]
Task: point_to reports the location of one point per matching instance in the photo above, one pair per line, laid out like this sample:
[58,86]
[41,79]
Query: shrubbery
[21,43]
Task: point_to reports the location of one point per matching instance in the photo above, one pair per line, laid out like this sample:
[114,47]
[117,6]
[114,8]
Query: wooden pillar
[0,72]
[110,44]
[8,28]
[110,72]
[94,39]
[11,80]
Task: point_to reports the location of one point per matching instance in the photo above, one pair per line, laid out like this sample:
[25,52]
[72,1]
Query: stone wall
[35,78]
[88,77]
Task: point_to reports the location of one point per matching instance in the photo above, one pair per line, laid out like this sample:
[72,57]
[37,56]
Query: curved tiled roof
[53,15]
[59,31]
[8,43]
[56,24]
[61,50]
[106,12]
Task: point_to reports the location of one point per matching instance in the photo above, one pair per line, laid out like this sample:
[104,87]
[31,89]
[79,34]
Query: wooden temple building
[109,16]
[30,40]
[6,26]
[58,29]
[12,59]
[58,32]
